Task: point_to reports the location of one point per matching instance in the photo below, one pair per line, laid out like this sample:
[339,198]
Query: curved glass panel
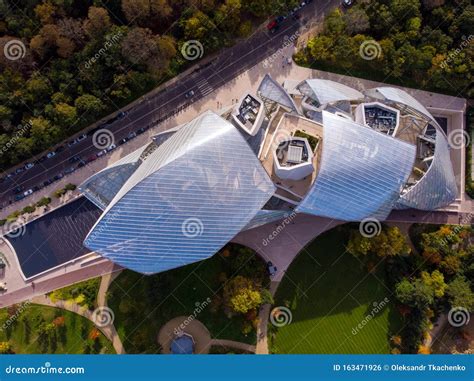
[188,199]
[326,91]
[362,172]
[272,90]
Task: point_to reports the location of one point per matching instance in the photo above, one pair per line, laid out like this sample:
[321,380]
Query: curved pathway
[109,331]
[234,344]
[199,332]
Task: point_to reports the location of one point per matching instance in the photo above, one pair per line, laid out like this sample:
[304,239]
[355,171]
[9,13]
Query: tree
[146,12]
[241,296]
[97,22]
[356,20]
[65,115]
[415,294]
[389,242]
[435,281]
[228,15]
[460,294]
[45,12]
[89,105]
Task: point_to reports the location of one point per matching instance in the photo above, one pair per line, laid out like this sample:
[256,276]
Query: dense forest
[426,44]
[67,63]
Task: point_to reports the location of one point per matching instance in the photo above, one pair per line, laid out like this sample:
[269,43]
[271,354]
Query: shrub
[28,209]
[43,201]
[69,187]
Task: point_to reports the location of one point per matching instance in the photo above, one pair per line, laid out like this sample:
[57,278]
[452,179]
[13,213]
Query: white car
[111,147]
[28,192]
[50,155]
[29,165]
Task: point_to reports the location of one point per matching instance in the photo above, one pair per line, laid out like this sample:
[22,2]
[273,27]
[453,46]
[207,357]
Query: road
[203,81]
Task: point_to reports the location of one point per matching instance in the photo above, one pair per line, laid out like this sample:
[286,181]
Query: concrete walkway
[262,329]
[234,344]
[108,330]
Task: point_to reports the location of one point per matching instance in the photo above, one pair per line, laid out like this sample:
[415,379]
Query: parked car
[36,188]
[141,130]
[41,159]
[131,135]
[50,155]
[101,153]
[28,192]
[81,138]
[19,170]
[81,164]
[122,141]
[122,114]
[18,189]
[29,165]
[271,268]
[59,149]
[273,26]
[69,170]
[47,182]
[59,176]
[74,159]
[111,147]
[91,158]
[189,94]
[347,3]
[19,197]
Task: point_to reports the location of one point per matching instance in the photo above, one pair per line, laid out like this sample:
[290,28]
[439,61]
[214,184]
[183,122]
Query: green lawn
[142,304]
[330,293]
[71,338]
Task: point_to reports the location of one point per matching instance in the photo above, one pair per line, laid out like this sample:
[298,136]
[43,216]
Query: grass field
[330,293]
[143,304]
[22,332]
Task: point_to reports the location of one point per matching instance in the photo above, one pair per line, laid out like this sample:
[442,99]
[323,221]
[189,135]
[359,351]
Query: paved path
[234,344]
[262,329]
[108,331]
[199,332]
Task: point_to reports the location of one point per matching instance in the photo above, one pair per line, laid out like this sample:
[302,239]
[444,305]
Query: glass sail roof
[326,91]
[188,199]
[272,90]
[362,172]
